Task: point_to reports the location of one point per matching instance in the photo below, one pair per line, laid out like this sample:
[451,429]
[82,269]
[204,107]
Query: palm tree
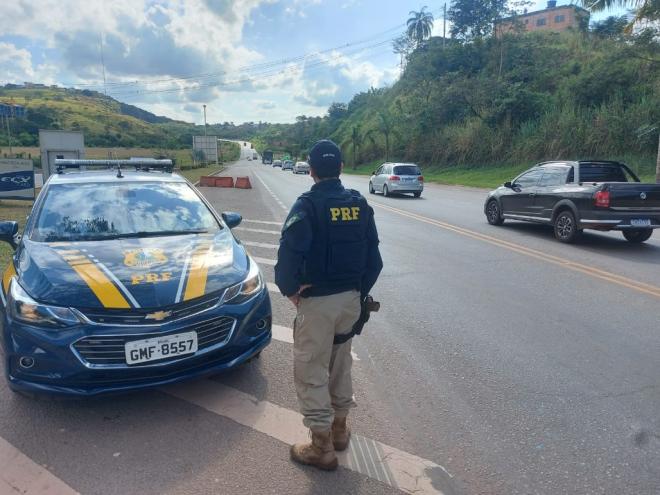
[420,25]
[357,139]
[386,128]
[643,9]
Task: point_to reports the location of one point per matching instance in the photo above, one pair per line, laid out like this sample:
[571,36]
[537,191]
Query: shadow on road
[595,242]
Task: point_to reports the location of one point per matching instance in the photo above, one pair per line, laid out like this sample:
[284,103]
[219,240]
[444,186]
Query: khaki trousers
[322,371]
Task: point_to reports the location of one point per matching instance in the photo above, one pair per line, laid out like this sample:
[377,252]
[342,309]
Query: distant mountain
[104,120]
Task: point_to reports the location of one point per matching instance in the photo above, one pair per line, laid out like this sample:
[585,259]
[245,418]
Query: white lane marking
[259,231]
[19,474]
[264,261]
[261,244]
[399,469]
[265,222]
[277,200]
[272,287]
[285,334]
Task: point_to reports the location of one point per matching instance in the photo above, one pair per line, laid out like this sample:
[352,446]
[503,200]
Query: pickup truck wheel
[371,188]
[493,213]
[637,235]
[566,229]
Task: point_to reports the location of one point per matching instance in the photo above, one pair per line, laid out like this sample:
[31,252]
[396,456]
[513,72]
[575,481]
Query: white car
[397,178]
[301,168]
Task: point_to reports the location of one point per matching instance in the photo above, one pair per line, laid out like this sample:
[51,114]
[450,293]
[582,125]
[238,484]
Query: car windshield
[75,212]
[406,170]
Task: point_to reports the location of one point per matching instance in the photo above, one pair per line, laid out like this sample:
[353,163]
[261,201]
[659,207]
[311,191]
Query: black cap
[325,159]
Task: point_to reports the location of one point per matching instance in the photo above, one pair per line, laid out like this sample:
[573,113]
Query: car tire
[637,236]
[566,228]
[386,191]
[417,194]
[371,188]
[494,213]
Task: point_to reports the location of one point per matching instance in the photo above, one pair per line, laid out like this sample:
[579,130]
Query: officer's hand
[295,299]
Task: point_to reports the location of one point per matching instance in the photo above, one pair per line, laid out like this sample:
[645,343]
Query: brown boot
[320,453]
[341,434]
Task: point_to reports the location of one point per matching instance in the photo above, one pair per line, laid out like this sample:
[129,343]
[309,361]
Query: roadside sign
[16,179]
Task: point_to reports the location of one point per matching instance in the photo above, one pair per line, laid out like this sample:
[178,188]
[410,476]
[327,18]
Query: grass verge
[12,210]
[487,177]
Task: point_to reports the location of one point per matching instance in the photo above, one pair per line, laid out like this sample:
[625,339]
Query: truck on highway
[576,195]
[267,157]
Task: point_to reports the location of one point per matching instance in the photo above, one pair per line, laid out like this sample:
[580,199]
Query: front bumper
[58,369]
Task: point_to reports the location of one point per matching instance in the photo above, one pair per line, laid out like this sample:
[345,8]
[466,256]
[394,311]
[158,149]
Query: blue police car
[126,278]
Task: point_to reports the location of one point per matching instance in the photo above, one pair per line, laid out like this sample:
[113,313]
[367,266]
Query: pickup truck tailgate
[636,196]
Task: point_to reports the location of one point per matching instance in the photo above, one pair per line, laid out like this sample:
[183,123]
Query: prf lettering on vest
[346,214]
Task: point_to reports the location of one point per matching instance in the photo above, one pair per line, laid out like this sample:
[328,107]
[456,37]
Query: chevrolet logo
[643,195]
[158,315]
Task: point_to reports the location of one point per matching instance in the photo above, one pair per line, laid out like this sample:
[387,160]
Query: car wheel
[417,194]
[566,228]
[386,192]
[493,213]
[371,188]
[637,235]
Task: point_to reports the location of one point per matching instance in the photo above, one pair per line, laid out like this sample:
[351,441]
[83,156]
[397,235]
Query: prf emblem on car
[144,258]
[158,315]
[643,195]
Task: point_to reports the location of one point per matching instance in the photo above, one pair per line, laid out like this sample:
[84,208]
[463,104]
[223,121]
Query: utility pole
[204,119]
[444,25]
[105,91]
[657,163]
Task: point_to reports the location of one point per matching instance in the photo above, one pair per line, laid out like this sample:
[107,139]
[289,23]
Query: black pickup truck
[576,195]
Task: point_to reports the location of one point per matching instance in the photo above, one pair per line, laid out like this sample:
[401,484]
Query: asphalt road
[502,362]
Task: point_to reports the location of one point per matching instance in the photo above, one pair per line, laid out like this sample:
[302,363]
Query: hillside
[501,103]
[104,120]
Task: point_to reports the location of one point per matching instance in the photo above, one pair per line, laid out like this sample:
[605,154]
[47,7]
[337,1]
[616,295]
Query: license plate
[155,348]
[640,222]
[407,180]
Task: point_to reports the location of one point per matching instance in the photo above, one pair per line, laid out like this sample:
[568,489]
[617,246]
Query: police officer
[328,261]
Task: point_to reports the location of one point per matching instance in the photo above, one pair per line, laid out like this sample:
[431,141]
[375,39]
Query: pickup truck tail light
[420,178]
[602,199]
[395,177]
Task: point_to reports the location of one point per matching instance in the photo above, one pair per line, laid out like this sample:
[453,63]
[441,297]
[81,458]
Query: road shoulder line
[389,465]
[20,474]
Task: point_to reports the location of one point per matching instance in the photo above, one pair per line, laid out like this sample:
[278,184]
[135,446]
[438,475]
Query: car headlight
[23,308]
[244,290]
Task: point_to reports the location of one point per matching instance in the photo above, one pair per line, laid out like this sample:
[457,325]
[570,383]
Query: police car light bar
[144,164]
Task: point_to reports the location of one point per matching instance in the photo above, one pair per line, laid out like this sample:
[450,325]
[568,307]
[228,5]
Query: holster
[366,307]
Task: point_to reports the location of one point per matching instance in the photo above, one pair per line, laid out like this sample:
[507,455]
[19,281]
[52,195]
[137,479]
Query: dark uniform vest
[338,258]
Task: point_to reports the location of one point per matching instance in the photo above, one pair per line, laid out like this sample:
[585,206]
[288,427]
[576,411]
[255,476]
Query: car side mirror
[9,233]
[232,219]
[508,184]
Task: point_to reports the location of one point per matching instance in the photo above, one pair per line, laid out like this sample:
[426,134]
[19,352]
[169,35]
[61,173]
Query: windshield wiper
[158,233]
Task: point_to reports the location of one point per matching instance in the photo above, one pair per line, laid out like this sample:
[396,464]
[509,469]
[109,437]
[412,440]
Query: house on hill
[553,18]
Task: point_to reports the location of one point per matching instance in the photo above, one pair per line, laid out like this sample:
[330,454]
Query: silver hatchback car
[397,178]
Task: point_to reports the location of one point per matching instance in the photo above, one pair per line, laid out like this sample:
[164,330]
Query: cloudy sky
[248,60]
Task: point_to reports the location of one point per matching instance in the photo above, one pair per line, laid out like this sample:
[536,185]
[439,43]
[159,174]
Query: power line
[244,69]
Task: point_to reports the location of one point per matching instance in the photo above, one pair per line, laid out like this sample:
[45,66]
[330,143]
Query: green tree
[473,19]
[648,10]
[387,127]
[403,46]
[419,26]
[357,139]
[612,27]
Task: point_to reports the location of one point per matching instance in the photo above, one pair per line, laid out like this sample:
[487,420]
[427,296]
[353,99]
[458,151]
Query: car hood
[131,273]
